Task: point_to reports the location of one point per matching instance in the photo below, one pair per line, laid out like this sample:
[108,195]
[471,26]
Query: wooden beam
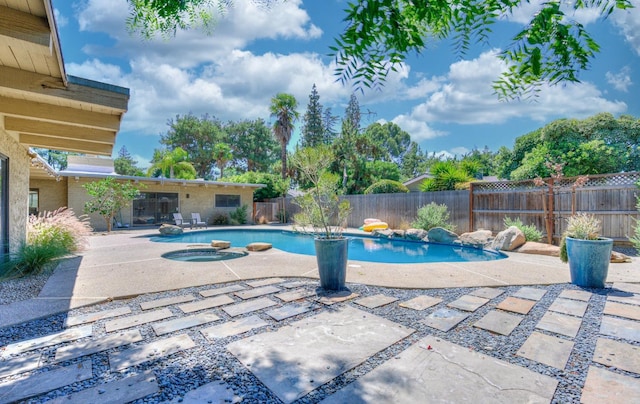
[25,29]
[54,113]
[60,131]
[66,144]
[54,87]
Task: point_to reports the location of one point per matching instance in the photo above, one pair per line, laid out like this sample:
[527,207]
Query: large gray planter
[589,261]
[331,255]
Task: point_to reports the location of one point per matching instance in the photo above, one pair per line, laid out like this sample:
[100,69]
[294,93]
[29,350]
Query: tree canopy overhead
[380,34]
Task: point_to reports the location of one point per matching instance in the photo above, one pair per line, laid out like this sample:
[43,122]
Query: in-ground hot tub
[202,255]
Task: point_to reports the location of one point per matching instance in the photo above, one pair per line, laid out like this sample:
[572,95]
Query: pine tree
[352,113]
[328,125]
[125,164]
[312,128]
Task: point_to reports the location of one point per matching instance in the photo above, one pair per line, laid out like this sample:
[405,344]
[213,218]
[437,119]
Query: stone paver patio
[331,336]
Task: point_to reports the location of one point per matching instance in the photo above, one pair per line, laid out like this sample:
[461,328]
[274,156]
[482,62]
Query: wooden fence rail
[611,198]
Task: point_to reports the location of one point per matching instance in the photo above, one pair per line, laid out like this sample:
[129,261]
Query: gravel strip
[29,287]
[210,361]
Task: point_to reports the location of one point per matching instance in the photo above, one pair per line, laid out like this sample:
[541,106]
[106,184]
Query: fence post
[550,227]
[471,207]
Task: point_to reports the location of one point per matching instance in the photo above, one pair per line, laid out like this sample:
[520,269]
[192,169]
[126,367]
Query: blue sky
[444,102]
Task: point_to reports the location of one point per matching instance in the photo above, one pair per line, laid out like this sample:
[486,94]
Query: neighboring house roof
[417,180]
[40,104]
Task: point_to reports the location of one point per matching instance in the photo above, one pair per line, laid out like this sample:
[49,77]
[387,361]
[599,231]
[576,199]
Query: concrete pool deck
[124,264]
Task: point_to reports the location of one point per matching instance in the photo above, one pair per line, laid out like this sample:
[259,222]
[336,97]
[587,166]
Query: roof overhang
[40,105]
[77,175]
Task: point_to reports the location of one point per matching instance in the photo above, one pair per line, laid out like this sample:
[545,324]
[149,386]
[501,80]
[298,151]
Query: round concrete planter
[589,261]
[331,255]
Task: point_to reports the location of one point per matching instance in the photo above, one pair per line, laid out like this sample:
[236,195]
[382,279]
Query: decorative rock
[509,239]
[441,235]
[617,257]
[170,230]
[220,244]
[415,234]
[258,246]
[531,247]
[399,233]
[383,233]
[479,238]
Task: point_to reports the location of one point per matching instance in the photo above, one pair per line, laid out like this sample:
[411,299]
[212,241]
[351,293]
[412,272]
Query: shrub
[386,187]
[433,215]
[239,216]
[50,235]
[221,219]
[531,233]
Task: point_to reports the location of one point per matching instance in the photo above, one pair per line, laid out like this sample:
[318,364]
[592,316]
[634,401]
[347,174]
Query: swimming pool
[361,248]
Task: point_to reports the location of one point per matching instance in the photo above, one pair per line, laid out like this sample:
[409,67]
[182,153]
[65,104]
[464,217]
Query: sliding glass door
[154,208]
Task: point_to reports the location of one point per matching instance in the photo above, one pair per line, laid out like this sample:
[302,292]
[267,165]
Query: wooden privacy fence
[398,210]
[611,198]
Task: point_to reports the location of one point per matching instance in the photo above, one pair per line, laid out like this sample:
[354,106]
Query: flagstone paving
[546,349]
[298,342]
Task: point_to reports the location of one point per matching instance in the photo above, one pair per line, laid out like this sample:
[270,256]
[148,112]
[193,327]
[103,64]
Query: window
[227,201]
[33,202]
[4,205]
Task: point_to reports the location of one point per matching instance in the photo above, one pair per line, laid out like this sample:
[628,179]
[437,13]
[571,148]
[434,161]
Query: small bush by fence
[610,197]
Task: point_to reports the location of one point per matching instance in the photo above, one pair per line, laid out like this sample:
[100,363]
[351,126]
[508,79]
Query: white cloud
[523,13]
[418,129]
[193,72]
[621,81]
[61,20]
[466,97]
[141,162]
[460,150]
[245,22]
[443,154]
[628,22]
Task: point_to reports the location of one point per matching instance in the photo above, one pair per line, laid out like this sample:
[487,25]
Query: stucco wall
[52,194]
[18,188]
[200,199]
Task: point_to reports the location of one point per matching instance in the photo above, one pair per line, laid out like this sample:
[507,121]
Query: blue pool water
[361,248]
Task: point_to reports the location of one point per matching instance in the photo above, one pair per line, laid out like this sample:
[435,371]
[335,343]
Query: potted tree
[586,251]
[323,214]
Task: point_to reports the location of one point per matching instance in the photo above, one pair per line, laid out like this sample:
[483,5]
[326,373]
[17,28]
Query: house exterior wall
[52,194]
[200,199]
[19,164]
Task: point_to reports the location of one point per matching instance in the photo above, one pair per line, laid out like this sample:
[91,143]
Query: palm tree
[222,154]
[283,108]
[168,162]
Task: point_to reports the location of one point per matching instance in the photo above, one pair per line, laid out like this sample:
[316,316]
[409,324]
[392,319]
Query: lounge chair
[196,221]
[177,217]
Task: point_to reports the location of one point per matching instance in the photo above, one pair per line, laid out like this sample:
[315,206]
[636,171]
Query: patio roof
[40,105]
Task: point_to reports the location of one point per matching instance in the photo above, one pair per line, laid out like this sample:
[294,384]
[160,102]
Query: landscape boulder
[509,239]
[479,238]
[170,230]
[258,246]
[441,235]
[618,257]
[531,247]
[220,244]
[415,234]
[383,233]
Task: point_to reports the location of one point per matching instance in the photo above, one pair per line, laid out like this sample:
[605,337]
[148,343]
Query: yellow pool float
[375,226]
